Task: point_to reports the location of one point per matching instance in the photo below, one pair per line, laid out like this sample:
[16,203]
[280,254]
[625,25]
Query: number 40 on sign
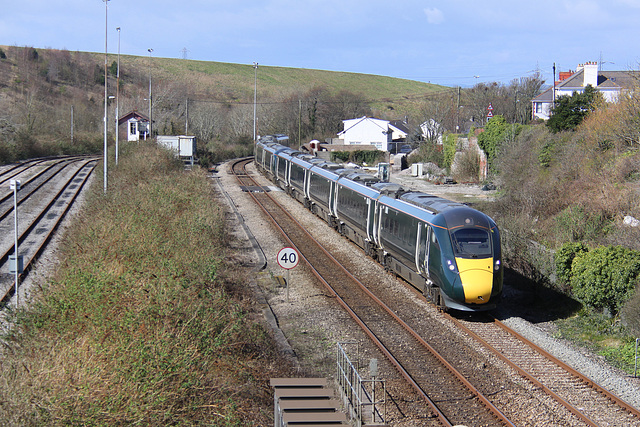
[288,258]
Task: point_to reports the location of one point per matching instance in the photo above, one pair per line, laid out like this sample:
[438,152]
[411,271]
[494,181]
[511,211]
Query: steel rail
[29,263]
[588,381]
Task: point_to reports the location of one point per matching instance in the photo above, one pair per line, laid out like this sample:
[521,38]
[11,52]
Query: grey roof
[606,79]
[546,96]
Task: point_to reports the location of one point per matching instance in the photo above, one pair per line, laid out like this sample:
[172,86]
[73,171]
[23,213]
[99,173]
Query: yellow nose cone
[476,276]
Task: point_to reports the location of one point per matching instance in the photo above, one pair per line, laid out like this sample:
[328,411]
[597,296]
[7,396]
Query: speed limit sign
[288,258]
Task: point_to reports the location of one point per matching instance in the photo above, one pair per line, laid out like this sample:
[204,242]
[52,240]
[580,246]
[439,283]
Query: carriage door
[425,245]
[424,236]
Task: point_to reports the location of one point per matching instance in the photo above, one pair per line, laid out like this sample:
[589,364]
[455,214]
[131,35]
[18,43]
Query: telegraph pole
[255,97]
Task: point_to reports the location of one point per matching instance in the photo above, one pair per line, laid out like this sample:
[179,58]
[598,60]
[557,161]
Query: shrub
[449,144]
[604,278]
[369,157]
[564,259]
[428,152]
[575,223]
[467,166]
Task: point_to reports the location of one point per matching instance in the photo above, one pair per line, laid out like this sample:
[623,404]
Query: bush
[450,145]
[428,153]
[605,277]
[467,166]
[370,157]
[575,223]
[564,259]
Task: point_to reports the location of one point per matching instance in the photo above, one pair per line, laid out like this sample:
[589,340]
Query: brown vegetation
[145,322]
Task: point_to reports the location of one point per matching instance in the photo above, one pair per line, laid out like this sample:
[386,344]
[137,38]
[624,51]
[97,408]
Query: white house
[609,83]
[372,131]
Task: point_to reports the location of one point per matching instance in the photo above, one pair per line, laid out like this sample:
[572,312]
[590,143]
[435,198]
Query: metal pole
[635,369]
[255,97]
[106,2]
[15,186]
[186,117]
[117,96]
[150,105]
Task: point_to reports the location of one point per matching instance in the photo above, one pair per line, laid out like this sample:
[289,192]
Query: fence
[365,399]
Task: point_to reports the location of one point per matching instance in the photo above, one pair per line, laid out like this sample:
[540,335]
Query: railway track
[587,400]
[47,192]
[449,395]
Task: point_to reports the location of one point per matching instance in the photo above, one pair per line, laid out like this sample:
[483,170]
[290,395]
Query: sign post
[288,258]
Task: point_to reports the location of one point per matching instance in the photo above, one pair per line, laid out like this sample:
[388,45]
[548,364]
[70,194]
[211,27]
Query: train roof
[364,178]
[359,187]
[389,189]
[300,162]
[319,170]
[430,202]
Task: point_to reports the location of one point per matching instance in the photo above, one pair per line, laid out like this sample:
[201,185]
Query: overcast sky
[446,42]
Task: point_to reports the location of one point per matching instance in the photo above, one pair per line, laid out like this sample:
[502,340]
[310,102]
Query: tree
[569,111]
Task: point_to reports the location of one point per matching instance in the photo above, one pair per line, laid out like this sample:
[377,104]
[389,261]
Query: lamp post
[255,97]
[106,2]
[117,95]
[150,100]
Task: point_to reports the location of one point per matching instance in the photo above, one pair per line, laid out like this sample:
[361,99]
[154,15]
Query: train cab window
[471,243]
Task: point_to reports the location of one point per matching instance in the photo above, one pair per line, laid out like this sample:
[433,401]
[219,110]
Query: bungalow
[609,83]
[371,131]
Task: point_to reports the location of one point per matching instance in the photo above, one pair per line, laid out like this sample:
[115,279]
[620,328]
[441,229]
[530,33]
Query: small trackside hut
[183,146]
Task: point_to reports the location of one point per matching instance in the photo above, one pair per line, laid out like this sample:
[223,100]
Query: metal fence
[365,400]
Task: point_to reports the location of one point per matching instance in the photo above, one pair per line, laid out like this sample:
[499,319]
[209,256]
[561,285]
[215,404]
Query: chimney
[564,75]
[590,74]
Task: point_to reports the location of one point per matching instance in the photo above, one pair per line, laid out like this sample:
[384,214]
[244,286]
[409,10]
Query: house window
[132,128]
[538,106]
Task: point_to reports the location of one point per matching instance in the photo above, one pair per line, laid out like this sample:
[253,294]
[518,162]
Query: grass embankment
[141,322]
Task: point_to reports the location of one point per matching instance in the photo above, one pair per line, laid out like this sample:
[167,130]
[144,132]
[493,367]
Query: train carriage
[298,179]
[322,191]
[283,167]
[355,210]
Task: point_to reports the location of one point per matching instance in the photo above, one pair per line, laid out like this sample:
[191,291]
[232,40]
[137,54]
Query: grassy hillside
[44,91]
[202,77]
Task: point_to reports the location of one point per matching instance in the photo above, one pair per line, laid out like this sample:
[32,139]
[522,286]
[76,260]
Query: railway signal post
[288,258]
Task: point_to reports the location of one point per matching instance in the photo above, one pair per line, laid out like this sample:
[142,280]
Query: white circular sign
[288,258]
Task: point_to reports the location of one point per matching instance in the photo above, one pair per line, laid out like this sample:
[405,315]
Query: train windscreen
[471,243]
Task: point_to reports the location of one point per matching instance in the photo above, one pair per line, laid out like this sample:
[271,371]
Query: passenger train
[445,249]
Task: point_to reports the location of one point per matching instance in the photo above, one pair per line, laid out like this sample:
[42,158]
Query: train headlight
[496,265]
[451,265]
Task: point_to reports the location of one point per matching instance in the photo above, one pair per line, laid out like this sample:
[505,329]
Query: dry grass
[138,325]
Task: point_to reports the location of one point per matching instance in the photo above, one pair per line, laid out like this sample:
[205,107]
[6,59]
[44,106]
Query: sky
[447,42]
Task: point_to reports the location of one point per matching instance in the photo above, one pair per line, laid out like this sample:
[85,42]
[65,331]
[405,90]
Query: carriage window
[471,243]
